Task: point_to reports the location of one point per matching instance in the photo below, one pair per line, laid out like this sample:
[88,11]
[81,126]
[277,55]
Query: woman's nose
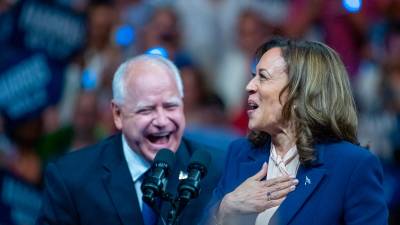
[251,88]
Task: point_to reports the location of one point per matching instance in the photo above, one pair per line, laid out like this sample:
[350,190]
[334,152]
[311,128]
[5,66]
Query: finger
[267,204]
[282,193]
[282,185]
[275,202]
[261,174]
[277,180]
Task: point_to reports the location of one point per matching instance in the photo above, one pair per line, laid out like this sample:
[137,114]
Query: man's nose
[161,119]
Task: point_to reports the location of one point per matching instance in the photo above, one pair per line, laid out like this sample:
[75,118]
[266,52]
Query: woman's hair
[319,100]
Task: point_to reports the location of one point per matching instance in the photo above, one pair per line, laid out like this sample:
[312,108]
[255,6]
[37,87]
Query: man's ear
[117,115]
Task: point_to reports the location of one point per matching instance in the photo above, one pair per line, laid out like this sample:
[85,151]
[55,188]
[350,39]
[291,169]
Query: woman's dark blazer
[342,186]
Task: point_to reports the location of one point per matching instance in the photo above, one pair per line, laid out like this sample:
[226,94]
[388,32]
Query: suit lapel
[119,185]
[253,163]
[309,179]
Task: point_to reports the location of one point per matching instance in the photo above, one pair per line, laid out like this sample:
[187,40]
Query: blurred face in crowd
[100,22]
[85,116]
[251,31]
[264,105]
[151,115]
[393,81]
[393,49]
[193,85]
[162,30]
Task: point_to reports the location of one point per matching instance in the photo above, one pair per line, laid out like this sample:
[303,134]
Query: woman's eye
[263,77]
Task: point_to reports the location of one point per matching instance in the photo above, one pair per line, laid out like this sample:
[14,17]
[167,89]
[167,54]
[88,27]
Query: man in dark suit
[101,184]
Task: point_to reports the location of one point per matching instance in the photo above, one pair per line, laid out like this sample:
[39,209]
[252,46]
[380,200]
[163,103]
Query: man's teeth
[160,138]
[161,134]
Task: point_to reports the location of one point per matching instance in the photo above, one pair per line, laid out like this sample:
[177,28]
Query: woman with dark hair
[301,163]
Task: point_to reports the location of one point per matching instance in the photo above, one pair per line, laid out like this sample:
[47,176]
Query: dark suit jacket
[94,186]
[343,186]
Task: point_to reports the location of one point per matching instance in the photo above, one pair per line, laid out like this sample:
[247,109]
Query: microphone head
[202,159]
[165,158]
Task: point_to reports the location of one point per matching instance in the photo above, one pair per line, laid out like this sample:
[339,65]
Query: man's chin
[154,148]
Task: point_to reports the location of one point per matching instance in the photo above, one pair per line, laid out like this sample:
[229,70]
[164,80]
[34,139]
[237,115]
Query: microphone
[155,182]
[189,188]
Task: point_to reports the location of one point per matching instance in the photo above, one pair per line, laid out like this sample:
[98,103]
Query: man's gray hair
[118,86]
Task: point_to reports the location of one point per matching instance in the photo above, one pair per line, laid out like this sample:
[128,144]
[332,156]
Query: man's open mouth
[159,138]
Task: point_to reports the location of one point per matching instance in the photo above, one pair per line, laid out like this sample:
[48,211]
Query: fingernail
[292,188]
[295,181]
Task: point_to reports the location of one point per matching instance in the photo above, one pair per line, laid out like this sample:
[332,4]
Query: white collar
[136,163]
[281,163]
[287,157]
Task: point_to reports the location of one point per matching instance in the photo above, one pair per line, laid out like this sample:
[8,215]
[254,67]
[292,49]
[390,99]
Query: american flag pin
[307,181]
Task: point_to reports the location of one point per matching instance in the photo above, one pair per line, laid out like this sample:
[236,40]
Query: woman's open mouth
[251,106]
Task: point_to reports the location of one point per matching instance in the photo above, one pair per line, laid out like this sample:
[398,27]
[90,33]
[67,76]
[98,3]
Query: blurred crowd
[212,43]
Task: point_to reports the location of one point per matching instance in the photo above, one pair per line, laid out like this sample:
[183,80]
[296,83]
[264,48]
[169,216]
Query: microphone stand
[188,189]
[164,196]
[177,204]
[173,215]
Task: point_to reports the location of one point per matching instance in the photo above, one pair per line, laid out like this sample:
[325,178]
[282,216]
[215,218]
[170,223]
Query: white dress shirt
[137,167]
[278,166]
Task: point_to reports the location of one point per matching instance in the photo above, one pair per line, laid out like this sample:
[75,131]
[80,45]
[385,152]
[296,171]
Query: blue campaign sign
[52,29]
[37,40]
[29,82]
[20,201]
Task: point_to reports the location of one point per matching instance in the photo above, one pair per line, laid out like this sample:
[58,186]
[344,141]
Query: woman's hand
[255,195]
